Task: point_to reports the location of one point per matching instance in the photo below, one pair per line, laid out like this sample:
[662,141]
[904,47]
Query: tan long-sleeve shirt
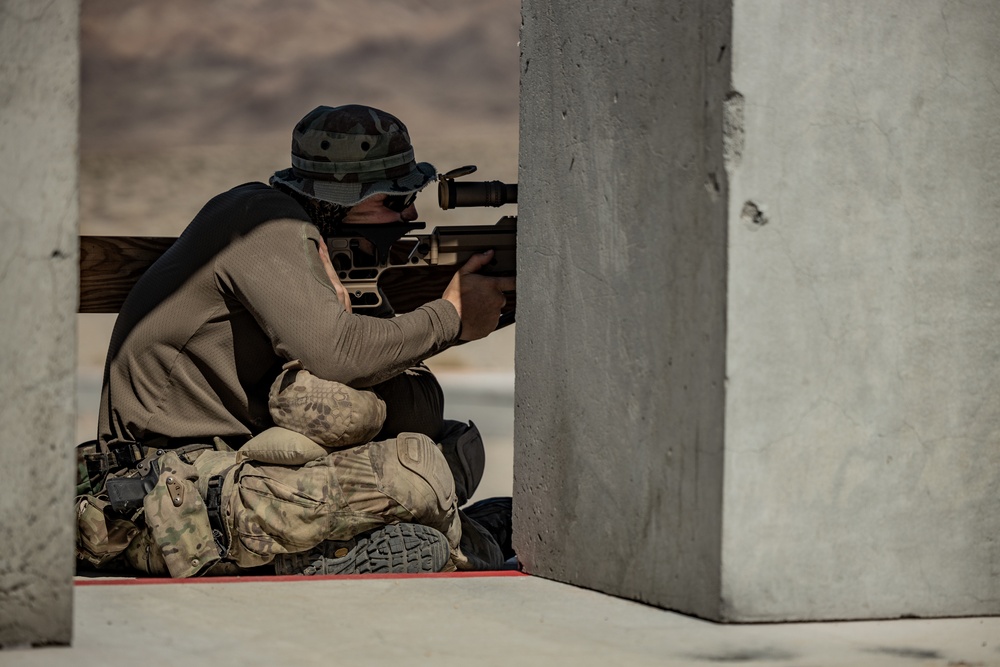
[205,331]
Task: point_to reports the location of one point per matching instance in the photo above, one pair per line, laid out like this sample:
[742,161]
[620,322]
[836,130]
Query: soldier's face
[372,211]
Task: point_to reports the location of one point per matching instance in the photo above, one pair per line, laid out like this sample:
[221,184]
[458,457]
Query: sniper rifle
[410,269]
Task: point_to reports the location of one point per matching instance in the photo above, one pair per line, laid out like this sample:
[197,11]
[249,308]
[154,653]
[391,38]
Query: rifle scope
[473,193]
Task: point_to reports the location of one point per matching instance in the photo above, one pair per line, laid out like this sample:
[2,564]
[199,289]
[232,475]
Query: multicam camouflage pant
[308,480]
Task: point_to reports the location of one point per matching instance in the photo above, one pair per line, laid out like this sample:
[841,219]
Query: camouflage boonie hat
[349,153]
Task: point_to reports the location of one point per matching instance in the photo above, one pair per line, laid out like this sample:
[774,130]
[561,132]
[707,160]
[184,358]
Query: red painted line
[297,578]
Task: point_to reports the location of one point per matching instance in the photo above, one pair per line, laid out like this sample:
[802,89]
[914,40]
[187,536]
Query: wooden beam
[111,265]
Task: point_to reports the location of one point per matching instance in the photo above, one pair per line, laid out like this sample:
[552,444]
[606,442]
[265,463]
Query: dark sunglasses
[399,203]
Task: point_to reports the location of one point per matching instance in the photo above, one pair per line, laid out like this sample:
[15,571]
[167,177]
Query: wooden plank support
[111,265]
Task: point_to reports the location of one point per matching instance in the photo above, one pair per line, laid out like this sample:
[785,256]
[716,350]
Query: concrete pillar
[757,356]
[39,73]
[620,352]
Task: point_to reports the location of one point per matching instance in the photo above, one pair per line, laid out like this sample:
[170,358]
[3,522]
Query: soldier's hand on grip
[478,299]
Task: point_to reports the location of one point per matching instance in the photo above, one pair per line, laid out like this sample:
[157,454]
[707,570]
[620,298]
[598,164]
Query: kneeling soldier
[249,418]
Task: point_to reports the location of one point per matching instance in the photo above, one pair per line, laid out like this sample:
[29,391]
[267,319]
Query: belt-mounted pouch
[178,519]
[96,466]
[100,533]
[91,468]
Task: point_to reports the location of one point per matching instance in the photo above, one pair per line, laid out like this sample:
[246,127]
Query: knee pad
[411,470]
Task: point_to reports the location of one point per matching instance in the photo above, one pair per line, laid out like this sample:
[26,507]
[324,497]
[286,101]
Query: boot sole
[405,548]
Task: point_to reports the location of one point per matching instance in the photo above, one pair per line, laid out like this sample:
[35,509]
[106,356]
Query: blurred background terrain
[185,99]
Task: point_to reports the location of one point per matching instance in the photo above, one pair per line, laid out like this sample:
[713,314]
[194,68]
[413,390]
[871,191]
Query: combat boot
[397,548]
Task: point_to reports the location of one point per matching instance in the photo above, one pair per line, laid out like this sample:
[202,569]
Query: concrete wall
[38,292]
[862,412]
[765,391]
[620,347]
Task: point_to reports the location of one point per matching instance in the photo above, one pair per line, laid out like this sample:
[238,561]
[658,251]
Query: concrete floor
[487,620]
[456,620]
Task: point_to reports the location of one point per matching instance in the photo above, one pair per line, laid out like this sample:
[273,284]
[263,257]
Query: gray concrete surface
[768,386]
[620,352]
[481,621]
[862,456]
[38,287]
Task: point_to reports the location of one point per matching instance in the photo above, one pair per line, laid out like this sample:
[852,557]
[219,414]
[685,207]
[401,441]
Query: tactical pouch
[178,519]
[100,535]
[91,468]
